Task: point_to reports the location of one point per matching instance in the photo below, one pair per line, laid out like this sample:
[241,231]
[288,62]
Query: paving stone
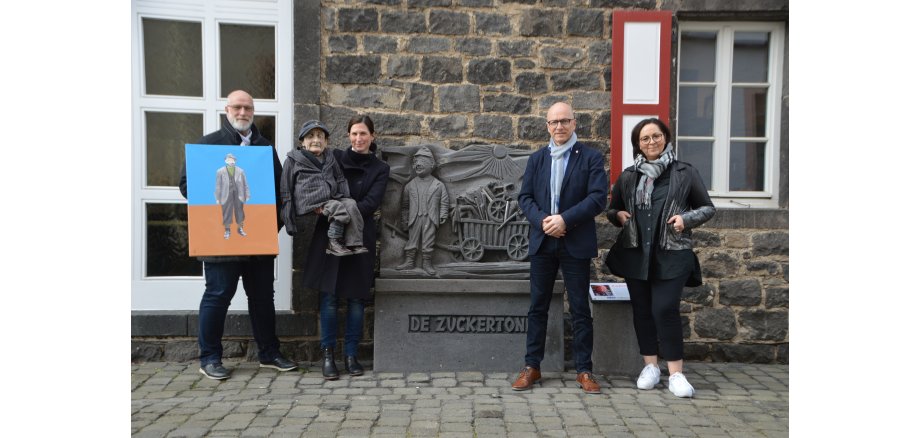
[392,421]
[583,431]
[456,427]
[444,382]
[521,427]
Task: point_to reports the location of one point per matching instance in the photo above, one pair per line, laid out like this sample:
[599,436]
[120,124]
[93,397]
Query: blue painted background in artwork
[202,162]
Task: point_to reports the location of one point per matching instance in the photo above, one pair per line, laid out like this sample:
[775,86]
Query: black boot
[330,372]
[353,367]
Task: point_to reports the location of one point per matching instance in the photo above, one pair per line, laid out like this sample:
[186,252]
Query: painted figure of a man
[231,192]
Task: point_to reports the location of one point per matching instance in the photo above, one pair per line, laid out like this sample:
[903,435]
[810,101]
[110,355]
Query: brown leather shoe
[587,383]
[529,376]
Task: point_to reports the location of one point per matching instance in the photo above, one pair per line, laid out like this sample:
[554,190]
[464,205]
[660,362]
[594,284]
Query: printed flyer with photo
[608,292]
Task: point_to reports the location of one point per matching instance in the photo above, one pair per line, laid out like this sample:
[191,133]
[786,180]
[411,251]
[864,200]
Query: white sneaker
[649,377]
[679,386]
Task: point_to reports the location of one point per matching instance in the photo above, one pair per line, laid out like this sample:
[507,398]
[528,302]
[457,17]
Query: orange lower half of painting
[206,231]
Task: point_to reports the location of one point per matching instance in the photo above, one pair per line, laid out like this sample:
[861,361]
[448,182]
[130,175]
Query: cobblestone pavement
[174,400]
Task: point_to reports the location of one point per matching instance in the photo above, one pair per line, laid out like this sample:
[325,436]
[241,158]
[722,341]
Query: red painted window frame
[618,109]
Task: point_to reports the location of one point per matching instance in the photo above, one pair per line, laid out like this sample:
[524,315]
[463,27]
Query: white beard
[239,125]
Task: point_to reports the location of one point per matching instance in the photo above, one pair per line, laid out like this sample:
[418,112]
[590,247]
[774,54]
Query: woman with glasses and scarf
[658,201]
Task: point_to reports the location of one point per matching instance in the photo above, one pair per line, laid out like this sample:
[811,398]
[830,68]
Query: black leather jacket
[687,196]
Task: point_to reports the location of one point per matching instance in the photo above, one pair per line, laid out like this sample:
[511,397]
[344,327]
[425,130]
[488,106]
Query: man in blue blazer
[564,188]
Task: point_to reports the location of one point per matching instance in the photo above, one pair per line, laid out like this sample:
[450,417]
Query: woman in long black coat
[350,277]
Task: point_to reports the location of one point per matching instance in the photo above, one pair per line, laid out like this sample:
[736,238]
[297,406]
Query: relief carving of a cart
[489,219]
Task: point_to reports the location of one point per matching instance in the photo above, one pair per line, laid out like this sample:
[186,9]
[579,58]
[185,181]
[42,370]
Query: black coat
[350,276]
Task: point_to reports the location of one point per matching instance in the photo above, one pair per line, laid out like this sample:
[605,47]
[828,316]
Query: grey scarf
[650,170]
[557,152]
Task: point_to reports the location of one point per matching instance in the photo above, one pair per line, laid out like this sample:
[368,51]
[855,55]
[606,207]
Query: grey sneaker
[679,386]
[214,371]
[649,377]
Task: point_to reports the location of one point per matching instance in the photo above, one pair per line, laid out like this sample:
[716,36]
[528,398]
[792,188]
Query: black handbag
[610,261]
[696,277]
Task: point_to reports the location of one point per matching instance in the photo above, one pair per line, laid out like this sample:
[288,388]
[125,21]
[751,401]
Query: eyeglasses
[646,140]
[553,123]
[246,108]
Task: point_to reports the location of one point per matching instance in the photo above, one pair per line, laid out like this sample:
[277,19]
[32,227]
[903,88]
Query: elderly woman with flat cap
[658,201]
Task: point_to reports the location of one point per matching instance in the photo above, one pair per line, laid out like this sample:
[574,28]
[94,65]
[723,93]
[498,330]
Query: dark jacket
[687,196]
[582,197]
[307,183]
[227,135]
[350,276]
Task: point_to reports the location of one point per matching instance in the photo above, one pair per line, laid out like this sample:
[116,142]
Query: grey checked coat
[306,186]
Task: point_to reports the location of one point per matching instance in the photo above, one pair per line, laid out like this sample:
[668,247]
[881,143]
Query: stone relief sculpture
[475,189]
[424,205]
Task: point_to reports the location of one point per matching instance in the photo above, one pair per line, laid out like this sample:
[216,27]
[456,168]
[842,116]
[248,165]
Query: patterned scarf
[557,152]
[650,170]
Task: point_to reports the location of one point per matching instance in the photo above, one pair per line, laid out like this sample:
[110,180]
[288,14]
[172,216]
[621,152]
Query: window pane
[747,166]
[167,242]
[698,56]
[751,57]
[695,111]
[167,134]
[749,112]
[699,154]
[172,57]
[265,125]
[247,60]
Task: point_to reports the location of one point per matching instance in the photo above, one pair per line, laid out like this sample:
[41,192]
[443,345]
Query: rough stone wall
[466,71]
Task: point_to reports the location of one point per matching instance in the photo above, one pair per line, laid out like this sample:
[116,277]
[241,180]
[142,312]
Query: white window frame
[184,292]
[722,197]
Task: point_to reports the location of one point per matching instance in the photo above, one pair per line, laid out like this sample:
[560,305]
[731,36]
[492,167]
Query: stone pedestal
[428,325]
[616,351]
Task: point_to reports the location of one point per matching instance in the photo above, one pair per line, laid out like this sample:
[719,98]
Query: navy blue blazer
[583,196]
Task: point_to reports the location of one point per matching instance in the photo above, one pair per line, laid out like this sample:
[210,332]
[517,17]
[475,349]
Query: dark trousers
[656,316]
[220,286]
[552,256]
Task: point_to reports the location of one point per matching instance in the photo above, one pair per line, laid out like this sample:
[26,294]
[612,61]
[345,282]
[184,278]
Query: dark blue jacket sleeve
[593,204]
[526,197]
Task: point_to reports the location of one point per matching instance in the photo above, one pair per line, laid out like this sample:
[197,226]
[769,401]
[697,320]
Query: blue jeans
[329,323]
[576,273]
[220,285]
